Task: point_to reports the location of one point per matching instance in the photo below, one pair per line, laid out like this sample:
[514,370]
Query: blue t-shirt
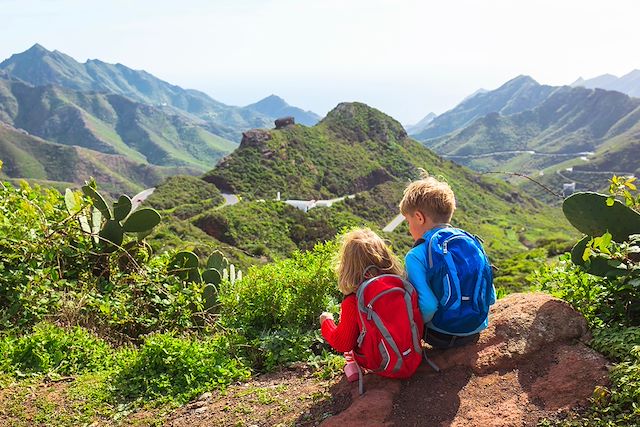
[416,265]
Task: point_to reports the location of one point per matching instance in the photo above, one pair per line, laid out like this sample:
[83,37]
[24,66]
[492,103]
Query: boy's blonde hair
[433,198]
[360,249]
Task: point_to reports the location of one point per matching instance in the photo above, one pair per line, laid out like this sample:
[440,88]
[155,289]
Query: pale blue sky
[404,57]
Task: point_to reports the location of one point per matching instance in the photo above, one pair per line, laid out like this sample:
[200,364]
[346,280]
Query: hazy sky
[404,57]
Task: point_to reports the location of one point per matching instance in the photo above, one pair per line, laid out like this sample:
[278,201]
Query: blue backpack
[460,276]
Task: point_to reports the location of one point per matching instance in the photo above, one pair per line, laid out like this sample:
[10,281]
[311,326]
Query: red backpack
[390,327]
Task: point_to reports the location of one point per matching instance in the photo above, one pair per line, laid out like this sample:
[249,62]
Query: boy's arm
[417,274]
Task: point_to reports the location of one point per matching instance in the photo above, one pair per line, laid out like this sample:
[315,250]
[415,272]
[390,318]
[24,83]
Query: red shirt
[344,336]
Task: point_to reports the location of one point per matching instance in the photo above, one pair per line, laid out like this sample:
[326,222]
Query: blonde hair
[430,196]
[360,249]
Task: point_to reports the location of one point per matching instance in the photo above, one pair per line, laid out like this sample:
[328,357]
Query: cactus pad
[589,213]
[71,202]
[98,200]
[111,232]
[210,296]
[183,263]
[122,208]
[217,261]
[142,220]
[211,275]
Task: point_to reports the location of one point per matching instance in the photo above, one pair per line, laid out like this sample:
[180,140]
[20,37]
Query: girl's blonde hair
[360,249]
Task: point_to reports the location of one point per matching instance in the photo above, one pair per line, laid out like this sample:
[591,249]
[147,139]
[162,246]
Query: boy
[447,266]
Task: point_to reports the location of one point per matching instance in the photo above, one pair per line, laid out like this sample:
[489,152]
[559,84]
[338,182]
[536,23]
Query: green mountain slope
[571,120]
[111,124]
[359,150]
[576,135]
[36,160]
[519,94]
[40,67]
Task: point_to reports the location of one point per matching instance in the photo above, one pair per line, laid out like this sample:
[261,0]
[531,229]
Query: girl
[362,256]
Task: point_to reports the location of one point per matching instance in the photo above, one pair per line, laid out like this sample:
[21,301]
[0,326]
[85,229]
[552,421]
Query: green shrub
[279,348]
[52,349]
[167,367]
[137,303]
[586,293]
[515,273]
[618,343]
[286,294]
[42,255]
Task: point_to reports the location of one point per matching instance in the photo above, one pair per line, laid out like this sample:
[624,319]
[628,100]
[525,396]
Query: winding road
[232,199]
[229,199]
[535,153]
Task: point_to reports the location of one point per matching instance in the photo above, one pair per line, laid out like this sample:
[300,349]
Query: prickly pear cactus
[210,296]
[122,208]
[98,200]
[211,275]
[218,261]
[589,213]
[185,265]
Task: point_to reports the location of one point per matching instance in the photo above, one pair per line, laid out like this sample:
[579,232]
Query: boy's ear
[420,217]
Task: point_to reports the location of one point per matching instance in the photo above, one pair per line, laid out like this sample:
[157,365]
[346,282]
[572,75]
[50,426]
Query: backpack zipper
[370,305]
[446,242]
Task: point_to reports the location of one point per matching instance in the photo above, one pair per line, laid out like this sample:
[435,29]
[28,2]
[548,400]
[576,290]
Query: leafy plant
[179,368]
[285,294]
[52,349]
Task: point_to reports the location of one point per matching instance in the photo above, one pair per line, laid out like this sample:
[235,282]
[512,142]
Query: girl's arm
[344,336]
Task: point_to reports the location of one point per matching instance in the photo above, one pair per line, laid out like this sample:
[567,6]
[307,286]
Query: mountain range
[39,66]
[516,95]
[563,134]
[422,124]
[107,109]
[629,83]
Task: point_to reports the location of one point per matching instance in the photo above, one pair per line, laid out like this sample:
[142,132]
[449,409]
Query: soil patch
[288,397]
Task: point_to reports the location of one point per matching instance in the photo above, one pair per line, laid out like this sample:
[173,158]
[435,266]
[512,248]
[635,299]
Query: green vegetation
[602,282]
[140,335]
[118,141]
[185,193]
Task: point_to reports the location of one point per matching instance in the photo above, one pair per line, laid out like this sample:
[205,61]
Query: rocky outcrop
[284,122]
[530,363]
[255,138]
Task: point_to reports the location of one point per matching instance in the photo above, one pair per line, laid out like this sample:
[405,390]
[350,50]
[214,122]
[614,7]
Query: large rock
[530,363]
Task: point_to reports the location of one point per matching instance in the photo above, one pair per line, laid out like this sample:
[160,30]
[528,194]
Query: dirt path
[289,397]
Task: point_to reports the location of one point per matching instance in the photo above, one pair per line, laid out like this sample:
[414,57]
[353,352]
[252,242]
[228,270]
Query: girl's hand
[324,316]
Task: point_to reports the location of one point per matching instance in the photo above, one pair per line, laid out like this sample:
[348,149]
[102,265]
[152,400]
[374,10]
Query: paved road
[232,199]
[395,222]
[229,199]
[535,153]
